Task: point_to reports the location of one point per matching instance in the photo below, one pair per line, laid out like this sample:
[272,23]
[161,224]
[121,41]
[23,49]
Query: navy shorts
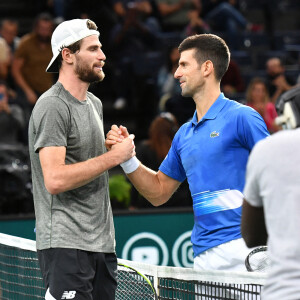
[77,274]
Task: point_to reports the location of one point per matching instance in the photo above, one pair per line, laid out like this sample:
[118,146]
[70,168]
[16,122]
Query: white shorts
[229,256]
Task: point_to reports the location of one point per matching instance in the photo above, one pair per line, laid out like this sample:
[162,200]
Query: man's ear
[207,68]
[67,55]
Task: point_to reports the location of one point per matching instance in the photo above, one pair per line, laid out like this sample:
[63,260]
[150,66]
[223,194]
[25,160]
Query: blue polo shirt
[212,154]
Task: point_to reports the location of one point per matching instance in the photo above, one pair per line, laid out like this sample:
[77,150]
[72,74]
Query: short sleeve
[171,165]
[251,127]
[51,123]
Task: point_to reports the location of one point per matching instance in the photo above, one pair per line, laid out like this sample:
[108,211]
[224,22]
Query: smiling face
[189,74]
[89,60]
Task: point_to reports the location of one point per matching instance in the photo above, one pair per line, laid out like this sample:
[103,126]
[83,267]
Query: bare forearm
[148,184]
[156,187]
[68,177]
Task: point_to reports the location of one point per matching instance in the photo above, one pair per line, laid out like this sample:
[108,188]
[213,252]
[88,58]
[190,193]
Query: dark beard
[88,75]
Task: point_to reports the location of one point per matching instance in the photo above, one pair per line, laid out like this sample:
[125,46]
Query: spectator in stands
[4,58]
[271,206]
[11,118]
[176,14]
[9,31]
[131,38]
[257,96]
[278,82]
[181,17]
[30,62]
[58,9]
[232,83]
[99,11]
[196,24]
[152,152]
[224,16]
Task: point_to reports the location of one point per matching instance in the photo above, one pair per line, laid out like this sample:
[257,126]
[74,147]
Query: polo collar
[213,110]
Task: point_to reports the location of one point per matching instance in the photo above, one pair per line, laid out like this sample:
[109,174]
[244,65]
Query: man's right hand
[126,149]
[115,135]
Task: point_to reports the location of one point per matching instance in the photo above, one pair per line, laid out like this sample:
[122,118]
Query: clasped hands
[118,139]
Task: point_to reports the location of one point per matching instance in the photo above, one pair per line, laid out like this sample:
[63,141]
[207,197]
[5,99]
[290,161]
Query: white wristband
[130,165]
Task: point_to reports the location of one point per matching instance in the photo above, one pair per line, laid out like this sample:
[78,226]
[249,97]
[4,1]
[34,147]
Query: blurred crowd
[140,39]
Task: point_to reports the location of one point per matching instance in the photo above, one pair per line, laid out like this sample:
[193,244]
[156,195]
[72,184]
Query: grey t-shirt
[79,218]
[273,181]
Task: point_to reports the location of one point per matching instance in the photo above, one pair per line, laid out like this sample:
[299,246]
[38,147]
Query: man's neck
[76,87]
[204,100]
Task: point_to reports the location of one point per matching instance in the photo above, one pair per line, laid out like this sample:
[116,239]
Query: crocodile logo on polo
[214,134]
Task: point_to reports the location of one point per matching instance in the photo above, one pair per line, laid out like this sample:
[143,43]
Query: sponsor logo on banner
[150,248]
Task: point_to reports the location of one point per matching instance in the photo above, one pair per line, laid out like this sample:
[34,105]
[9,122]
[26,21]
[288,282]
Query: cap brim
[52,67]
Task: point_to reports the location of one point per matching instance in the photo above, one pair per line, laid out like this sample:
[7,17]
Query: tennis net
[20,278]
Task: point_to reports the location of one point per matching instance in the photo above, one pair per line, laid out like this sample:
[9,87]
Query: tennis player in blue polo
[211,151]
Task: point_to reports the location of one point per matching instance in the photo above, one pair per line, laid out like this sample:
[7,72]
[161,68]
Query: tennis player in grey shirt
[74,225]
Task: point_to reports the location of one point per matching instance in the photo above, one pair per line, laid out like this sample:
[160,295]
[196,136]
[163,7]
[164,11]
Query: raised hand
[125,149]
[115,135]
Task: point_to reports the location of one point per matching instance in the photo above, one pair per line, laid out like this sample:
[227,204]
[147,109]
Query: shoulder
[3,43]
[237,111]
[4,50]
[25,44]
[240,111]
[24,40]
[183,128]
[270,106]
[93,98]
[96,102]
[52,99]
[237,106]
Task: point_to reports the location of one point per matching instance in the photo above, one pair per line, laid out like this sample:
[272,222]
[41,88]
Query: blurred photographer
[278,82]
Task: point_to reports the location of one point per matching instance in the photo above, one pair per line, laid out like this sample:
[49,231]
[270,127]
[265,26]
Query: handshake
[119,140]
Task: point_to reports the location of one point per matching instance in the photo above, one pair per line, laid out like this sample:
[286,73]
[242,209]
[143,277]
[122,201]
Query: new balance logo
[68,295]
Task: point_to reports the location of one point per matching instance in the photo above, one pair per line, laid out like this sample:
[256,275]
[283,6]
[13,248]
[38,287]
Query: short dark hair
[75,46]
[208,47]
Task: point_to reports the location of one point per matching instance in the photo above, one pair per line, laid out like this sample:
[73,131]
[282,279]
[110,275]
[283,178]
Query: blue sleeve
[251,127]
[171,165]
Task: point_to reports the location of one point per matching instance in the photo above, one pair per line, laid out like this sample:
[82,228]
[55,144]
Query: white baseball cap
[64,35]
